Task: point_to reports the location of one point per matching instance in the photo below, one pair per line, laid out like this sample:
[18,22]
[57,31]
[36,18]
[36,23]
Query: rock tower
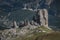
[43,17]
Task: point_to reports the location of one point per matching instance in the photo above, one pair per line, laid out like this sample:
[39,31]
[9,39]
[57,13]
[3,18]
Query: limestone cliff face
[42,13]
[42,17]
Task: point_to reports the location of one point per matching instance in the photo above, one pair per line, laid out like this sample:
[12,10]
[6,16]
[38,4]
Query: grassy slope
[36,35]
[48,35]
[43,36]
[51,36]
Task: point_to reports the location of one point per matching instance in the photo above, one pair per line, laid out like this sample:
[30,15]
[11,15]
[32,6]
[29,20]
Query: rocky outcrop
[15,24]
[42,17]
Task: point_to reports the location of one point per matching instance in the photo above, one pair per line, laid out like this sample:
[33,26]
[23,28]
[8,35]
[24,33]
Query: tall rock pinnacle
[43,17]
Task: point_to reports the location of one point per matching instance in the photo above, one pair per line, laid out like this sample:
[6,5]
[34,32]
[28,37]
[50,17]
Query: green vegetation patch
[51,36]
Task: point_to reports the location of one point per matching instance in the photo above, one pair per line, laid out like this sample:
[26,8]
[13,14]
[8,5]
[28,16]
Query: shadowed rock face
[9,5]
[48,2]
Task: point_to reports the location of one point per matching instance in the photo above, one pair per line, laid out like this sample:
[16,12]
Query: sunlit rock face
[43,17]
[15,24]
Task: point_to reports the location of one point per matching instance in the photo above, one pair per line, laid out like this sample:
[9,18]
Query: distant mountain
[11,5]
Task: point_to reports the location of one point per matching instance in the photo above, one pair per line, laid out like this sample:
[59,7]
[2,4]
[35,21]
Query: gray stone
[43,17]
